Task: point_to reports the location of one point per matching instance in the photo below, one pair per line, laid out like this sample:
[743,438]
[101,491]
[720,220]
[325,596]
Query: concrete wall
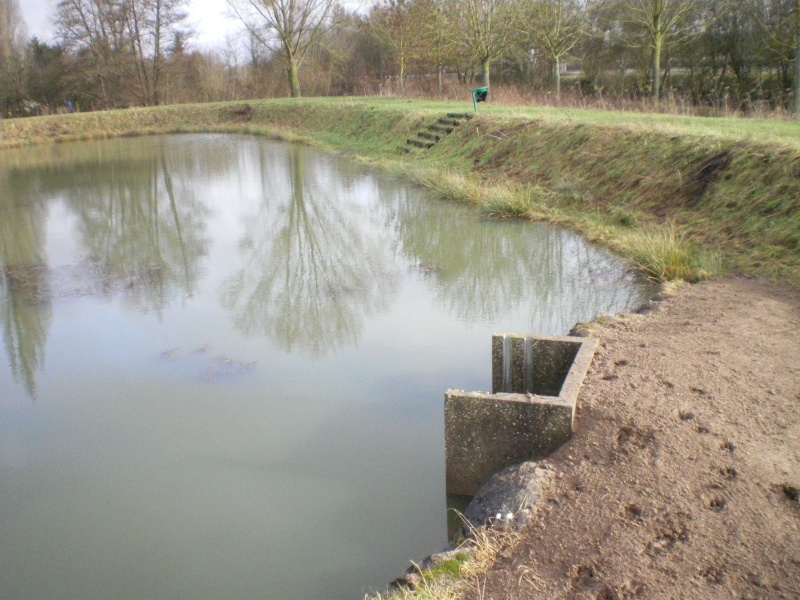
[531,364]
[485,433]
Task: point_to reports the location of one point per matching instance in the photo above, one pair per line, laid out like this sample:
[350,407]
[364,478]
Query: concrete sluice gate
[528,415]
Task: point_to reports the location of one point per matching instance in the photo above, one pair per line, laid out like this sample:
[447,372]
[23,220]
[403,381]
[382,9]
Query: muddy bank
[677,482]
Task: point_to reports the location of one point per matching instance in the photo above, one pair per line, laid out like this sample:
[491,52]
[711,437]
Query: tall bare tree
[556,26]
[152,25]
[12,31]
[12,46]
[797,58]
[391,22]
[661,22]
[95,30]
[127,41]
[439,39]
[780,22]
[294,25]
[488,29]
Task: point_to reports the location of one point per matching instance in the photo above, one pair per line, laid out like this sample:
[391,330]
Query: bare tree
[439,41]
[294,25]
[556,27]
[12,46]
[488,27]
[797,59]
[127,41]
[151,26]
[661,21]
[12,31]
[392,23]
[96,28]
[779,20]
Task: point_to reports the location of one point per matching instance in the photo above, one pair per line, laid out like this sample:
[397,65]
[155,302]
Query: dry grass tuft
[664,254]
[482,547]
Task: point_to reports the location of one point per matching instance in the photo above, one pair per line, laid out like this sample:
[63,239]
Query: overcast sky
[209,17]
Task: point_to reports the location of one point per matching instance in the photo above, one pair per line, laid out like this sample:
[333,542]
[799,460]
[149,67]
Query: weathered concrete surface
[510,499]
[485,433]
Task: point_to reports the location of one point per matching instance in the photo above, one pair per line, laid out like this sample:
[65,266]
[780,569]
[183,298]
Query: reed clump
[664,254]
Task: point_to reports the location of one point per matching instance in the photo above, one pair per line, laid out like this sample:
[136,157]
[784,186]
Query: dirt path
[673,486]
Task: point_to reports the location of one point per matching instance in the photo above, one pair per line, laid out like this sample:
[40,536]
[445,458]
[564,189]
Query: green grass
[638,183]
[773,130]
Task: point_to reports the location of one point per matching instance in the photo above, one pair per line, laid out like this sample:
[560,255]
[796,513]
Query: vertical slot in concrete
[506,387]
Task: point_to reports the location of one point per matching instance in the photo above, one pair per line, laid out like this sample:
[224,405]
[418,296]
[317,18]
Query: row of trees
[111,53]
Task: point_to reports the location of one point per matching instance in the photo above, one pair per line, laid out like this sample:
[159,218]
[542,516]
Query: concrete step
[429,136]
[419,144]
[465,116]
[440,128]
[451,122]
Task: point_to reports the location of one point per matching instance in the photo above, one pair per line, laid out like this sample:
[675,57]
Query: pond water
[224,362]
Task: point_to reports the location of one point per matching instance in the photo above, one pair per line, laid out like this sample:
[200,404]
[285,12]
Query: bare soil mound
[681,480]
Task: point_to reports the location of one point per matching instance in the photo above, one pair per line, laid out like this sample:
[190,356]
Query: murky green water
[224,363]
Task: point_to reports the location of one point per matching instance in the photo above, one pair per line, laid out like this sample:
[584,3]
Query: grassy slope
[670,192]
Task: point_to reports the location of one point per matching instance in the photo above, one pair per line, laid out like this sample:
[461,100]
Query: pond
[224,360]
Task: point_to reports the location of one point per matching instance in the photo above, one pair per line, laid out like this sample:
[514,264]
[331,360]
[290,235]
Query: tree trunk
[157,54]
[557,74]
[658,44]
[656,68]
[294,80]
[486,65]
[402,74]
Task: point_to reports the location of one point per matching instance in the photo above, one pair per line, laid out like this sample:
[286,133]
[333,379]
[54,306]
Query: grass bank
[681,197]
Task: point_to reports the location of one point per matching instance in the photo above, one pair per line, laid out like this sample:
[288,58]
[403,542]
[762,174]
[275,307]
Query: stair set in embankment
[433,134]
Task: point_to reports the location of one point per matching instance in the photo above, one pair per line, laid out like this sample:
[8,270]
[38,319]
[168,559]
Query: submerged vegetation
[682,198]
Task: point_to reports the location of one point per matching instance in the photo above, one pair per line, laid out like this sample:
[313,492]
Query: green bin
[479,95]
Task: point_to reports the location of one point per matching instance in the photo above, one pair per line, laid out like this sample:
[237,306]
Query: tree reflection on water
[486,269]
[24,284]
[142,234]
[314,272]
[325,246]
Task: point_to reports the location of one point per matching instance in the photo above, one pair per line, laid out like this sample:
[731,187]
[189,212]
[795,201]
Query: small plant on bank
[497,200]
[568,194]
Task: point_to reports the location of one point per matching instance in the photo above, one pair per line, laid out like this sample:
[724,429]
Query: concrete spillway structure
[528,415]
